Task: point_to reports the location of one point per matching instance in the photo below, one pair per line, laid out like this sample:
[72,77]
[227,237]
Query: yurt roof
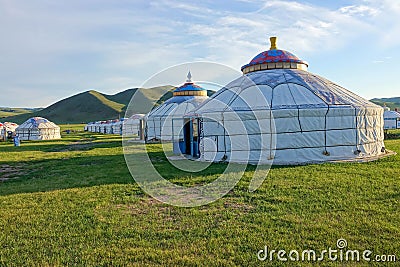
[187,97]
[189,85]
[282,89]
[187,91]
[269,59]
[10,124]
[38,122]
[136,116]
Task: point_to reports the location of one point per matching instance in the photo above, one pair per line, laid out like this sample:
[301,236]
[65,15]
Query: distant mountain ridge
[93,105]
[391,102]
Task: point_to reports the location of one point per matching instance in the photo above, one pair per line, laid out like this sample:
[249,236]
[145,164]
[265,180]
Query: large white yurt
[391,119]
[165,121]
[133,127]
[280,113]
[38,128]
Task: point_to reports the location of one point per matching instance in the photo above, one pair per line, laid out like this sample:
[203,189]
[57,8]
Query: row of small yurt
[134,126]
[38,128]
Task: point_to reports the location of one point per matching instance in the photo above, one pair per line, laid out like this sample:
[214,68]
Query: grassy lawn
[73,202]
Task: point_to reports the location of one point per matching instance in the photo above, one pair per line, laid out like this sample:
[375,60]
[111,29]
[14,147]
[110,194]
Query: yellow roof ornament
[273,43]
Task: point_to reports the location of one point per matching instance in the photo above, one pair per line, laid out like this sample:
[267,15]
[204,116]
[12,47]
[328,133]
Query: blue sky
[50,49]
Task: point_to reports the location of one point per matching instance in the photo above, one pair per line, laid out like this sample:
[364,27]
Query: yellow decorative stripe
[277,65]
[190,93]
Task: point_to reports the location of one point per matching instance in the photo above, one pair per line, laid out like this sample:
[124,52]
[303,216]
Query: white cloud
[360,10]
[301,28]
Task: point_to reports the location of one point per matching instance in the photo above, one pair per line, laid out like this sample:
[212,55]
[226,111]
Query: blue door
[191,138]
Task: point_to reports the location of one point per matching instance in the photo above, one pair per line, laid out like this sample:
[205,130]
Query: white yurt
[38,128]
[117,126]
[165,121]
[3,132]
[92,127]
[7,129]
[10,126]
[280,113]
[88,126]
[391,119]
[96,127]
[108,129]
[133,127]
[102,127]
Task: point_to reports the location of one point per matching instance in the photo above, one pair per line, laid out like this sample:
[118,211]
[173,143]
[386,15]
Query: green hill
[392,102]
[8,112]
[92,106]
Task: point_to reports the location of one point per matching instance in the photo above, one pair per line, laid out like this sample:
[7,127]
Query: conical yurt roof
[184,99]
[38,122]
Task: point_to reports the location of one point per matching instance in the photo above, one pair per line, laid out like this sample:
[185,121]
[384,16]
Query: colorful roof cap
[189,85]
[269,59]
[37,120]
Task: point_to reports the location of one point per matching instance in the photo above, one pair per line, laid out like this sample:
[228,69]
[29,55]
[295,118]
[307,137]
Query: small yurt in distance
[87,127]
[96,127]
[133,127]
[287,116]
[108,129]
[3,133]
[391,119]
[165,121]
[7,130]
[103,127]
[117,126]
[38,128]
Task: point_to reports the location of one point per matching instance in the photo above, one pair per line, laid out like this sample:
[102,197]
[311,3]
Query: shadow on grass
[69,171]
[77,171]
[53,174]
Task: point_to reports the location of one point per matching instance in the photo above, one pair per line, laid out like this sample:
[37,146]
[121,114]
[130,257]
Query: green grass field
[72,202]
